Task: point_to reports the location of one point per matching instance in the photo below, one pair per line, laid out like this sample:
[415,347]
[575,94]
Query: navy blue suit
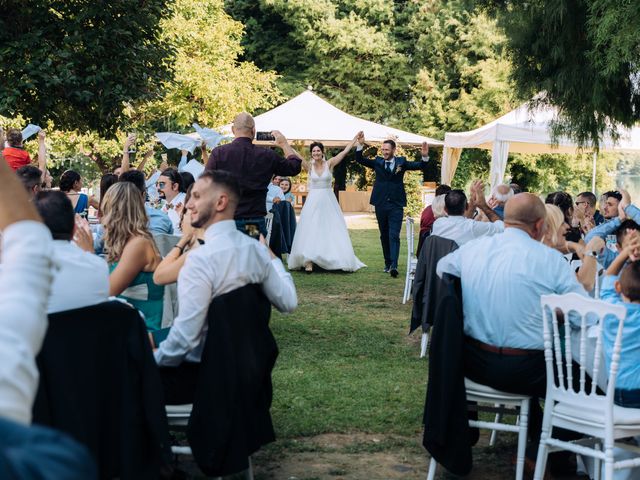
[389,198]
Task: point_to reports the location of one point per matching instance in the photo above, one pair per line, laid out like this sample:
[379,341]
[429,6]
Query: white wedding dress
[321,234]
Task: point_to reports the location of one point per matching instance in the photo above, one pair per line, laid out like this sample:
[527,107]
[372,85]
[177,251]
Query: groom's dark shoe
[386,270]
[393,272]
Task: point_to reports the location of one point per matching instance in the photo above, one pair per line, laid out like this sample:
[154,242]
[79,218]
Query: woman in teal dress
[131,252]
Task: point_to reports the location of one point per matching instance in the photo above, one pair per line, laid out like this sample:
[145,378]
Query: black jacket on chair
[427,286]
[100,384]
[230,419]
[447,435]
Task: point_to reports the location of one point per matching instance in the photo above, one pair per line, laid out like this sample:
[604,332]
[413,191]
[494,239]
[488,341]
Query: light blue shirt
[607,256]
[502,278]
[159,222]
[629,369]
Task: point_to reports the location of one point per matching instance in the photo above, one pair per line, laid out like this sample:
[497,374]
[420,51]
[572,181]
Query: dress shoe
[386,270]
[393,272]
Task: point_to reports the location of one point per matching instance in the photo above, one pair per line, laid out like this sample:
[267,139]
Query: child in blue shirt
[624,289]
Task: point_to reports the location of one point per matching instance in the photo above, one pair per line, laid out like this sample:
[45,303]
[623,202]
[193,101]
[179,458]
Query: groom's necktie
[387,166]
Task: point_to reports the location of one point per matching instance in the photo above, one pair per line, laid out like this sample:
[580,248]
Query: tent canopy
[524,130]
[308,118]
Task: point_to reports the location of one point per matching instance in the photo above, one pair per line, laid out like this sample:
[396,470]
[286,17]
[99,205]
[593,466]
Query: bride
[321,235]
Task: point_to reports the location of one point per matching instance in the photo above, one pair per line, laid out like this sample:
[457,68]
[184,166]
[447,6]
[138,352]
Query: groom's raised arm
[367,162]
[420,164]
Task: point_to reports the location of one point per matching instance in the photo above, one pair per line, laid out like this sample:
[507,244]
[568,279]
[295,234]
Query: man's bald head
[526,212]
[243,125]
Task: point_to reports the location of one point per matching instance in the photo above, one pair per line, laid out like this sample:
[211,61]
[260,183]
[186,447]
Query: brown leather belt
[514,352]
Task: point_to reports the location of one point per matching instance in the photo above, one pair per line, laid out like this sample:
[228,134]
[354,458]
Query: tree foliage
[209,84]
[76,62]
[580,55]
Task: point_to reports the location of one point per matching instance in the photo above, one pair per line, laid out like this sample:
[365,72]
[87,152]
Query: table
[354,201]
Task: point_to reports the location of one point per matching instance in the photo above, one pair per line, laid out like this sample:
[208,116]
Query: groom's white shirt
[227,261]
[393,160]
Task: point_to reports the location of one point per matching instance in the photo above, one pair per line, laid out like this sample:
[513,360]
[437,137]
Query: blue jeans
[389,218]
[245,225]
[627,398]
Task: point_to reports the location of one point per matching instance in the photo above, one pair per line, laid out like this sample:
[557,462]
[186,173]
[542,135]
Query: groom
[388,195]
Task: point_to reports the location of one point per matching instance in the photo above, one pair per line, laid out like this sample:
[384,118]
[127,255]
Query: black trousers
[179,383]
[521,374]
[526,375]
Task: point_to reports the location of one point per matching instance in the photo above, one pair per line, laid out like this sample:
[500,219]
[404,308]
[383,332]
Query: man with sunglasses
[170,190]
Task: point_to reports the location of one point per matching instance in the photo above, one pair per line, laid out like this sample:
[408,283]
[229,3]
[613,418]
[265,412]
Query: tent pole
[593,176]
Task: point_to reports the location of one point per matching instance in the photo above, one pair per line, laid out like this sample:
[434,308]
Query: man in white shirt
[25,279]
[227,261]
[81,278]
[455,226]
[170,190]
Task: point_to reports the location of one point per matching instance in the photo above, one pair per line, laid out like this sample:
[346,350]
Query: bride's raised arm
[333,161]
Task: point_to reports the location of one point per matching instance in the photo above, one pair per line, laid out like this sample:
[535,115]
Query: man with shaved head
[254,167]
[502,277]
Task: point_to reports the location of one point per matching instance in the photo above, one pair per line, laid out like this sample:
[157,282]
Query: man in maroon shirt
[427,218]
[254,167]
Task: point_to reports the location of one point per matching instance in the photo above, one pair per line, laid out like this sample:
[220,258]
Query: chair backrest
[165,242]
[268,220]
[97,373]
[409,227]
[569,312]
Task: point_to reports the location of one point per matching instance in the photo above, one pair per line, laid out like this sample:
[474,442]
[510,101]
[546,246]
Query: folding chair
[412,261]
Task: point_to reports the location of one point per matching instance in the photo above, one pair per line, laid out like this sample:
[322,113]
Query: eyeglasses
[580,203]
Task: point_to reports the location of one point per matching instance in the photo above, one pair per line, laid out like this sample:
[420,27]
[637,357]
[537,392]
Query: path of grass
[346,363]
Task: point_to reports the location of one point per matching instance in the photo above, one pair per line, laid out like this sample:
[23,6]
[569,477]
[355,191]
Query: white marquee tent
[523,130]
[307,118]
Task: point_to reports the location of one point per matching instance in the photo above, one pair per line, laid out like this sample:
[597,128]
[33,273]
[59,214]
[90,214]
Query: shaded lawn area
[346,363]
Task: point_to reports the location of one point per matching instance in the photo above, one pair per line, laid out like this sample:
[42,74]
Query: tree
[209,84]
[579,55]
[76,62]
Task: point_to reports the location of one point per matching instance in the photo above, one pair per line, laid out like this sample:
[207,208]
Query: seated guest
[564,202]
[612,226]
[171,192]
[436,210]
[502,277]
[554,237]
[285,186]
[610,206]
[71,184]
[274,193]
[25,278]
[159,222]
[31,178]
[106,181]
[131,252]
[87,271]
[586,204]
[227,261]
[427,218]
[455,226]
[187,181]
[169,268]
[500,194]
[624,288]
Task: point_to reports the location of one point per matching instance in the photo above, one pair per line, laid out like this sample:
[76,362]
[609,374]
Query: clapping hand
[82,235]
[477,193]
[632,245]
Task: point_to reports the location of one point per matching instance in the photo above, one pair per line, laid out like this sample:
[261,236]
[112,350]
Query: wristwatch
[591,253]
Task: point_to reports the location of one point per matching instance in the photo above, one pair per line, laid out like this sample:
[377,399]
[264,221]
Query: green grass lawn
[346,363]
